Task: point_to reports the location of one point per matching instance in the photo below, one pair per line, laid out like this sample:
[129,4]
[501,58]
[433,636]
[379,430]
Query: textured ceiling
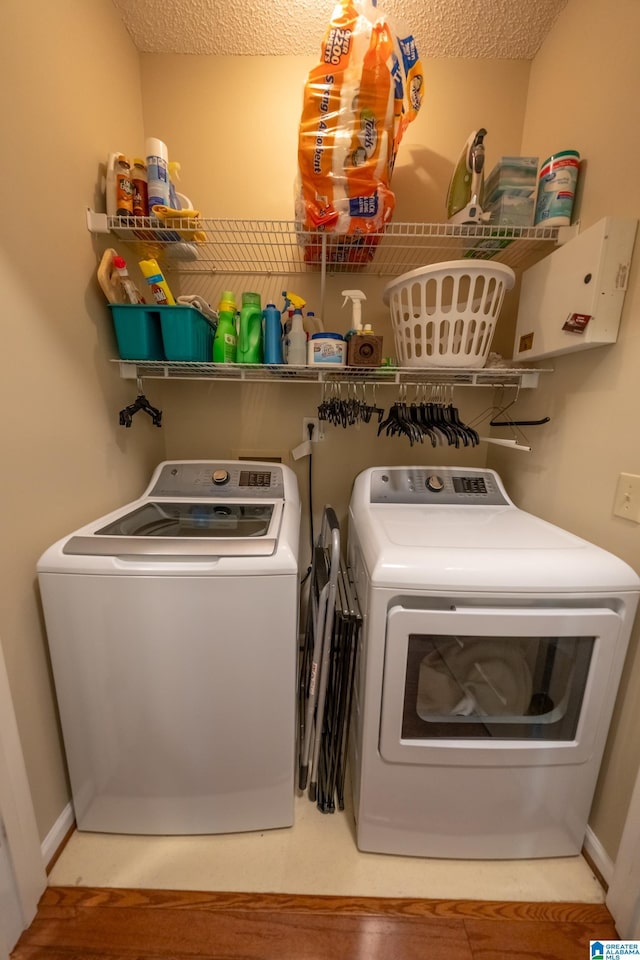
[500,29]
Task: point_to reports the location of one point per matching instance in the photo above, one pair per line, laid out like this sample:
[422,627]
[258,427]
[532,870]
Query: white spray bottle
[356,297]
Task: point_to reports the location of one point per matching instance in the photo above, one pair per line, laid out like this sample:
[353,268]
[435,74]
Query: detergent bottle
[225,341]
[250,329]
[272,334]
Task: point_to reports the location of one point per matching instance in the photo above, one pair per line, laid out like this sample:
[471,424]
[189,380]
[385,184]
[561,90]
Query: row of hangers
[430,414]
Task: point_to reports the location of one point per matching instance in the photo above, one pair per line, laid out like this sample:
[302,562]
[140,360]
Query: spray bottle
[297,341]
[225,341]
[250,329]
[356,297]
[291,302]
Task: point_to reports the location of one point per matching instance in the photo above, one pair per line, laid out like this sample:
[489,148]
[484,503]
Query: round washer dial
[435,483]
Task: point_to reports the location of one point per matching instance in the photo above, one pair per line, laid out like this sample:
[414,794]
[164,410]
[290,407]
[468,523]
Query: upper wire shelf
[284,247]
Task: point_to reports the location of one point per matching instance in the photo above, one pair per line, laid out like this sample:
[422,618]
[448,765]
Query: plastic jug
[225,342]
[272,334]
[250,330]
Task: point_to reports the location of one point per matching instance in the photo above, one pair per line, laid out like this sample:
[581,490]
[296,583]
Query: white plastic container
[327,350]
[157,172]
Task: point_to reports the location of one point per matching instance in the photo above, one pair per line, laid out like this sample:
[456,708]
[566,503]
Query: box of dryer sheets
[513,177]
[572,300]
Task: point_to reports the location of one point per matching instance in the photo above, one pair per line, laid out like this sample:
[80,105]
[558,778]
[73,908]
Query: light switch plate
[627,501]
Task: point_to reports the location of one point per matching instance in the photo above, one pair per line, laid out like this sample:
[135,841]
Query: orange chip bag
[357,104]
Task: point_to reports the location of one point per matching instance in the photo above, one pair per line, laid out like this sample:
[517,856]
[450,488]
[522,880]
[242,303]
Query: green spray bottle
[225,341]
[250,349]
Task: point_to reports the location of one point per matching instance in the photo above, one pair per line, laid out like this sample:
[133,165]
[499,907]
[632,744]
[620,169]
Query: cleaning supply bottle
[120,187]
[111,192]
[157,172]
[272,334]
[139,183]
[297,341]
[130,290]
[250,329]
[225,341]
[155,278]
[292,302]
[356,297]
[312,324]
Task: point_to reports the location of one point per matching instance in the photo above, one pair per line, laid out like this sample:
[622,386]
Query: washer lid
[185,528]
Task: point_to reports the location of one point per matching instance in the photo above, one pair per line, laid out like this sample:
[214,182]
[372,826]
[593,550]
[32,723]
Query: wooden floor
[81,923]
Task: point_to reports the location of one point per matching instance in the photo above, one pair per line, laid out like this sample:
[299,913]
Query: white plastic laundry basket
[445,315]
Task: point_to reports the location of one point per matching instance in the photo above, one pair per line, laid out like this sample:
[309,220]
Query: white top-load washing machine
[492,648]
[172,627]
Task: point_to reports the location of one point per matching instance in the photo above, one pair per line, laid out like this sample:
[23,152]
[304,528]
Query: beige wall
[583,95]
[69,93]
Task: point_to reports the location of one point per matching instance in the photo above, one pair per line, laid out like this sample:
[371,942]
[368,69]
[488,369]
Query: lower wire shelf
[380,376]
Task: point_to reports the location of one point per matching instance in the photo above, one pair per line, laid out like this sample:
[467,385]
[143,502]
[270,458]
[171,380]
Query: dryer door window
[528,684]
[508,688]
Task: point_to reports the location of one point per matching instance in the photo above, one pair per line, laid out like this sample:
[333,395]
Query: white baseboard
[56,835]
[601,859]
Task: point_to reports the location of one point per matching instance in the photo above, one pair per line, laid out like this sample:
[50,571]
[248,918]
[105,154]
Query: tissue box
[512,211]
[511,176]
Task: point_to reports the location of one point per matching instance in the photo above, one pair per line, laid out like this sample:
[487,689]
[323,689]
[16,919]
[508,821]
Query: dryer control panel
[437,485]
[219,480]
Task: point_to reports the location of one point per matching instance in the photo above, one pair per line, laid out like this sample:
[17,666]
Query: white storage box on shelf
[445,315]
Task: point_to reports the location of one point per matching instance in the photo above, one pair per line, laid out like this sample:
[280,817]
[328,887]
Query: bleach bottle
[225,342]
[250,330]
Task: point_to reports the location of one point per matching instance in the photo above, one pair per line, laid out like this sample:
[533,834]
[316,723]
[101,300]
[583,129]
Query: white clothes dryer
[491,652]
[172,625]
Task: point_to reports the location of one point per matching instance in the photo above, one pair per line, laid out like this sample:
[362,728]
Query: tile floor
[318,855]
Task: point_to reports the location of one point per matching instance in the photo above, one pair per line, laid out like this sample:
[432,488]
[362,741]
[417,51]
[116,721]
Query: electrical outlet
[627,502]
[318,433]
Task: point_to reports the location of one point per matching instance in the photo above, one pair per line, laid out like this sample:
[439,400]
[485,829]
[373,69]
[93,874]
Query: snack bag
[357,104]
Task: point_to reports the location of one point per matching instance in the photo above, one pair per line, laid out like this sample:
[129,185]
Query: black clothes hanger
[519,423]
[140,403]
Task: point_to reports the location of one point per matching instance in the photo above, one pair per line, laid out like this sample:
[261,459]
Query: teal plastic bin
[138,331]
[186,335]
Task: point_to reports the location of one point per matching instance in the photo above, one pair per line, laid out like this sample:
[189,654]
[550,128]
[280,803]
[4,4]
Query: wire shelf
[380,376]
[284,247]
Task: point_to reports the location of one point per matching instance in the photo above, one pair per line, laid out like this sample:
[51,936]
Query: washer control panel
[436,485]
[249,481]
